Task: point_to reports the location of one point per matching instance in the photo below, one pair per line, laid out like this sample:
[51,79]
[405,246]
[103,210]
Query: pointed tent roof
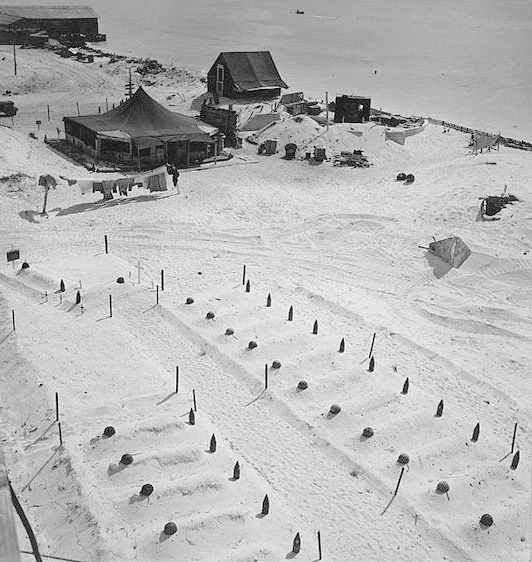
[452,250]
[252,70]
[143,120]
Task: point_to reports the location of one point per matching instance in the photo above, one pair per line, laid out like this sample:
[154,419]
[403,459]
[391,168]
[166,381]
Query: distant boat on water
[300,12]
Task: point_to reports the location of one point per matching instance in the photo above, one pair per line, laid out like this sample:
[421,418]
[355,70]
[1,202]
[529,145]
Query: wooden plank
[9,549]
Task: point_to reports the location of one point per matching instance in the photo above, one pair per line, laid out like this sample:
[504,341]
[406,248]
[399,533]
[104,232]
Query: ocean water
[465,61]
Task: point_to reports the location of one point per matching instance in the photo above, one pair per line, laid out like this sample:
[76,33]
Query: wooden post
[107,247]
[157,294]
[476,433]
[248,286]
[265,376]
[290,313]
[194,399]
[399,481]
[236,471]
[372,342]
[244,276]
[191,417]
[406,386]
[110,306]
[106,104]
[296,546]
[13,318]
[327,108]
[56,407]
[60,434]
[162,279]
[439,411]
[371,367]
[515,461]
[513,438]
[176,379]
[46,189]
[14,57]
[212,444]
[315,327]
[319,545]
[342,346]
[269,300]
[77,105]
[48,109]
[265,505]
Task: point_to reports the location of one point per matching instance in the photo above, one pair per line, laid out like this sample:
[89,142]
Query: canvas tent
[141,131]
[244,74]
[451,250]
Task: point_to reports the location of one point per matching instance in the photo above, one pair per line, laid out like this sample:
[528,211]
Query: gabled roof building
[244,74]
[16,22]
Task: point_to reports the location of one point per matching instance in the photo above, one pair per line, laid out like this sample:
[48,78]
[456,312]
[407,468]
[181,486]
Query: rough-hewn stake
[212,444]
[399,481]
[265,505]
[269,300]
[236,471]
[191,417]
[248,286]
[315,327]
[515,461]
[342,346]
[476,433]
[290,313]
[439,411]
[371,367]
[296,546]
[513,438]
[406,386]
[372,342]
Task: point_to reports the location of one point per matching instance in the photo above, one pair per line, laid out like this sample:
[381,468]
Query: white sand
[341,246]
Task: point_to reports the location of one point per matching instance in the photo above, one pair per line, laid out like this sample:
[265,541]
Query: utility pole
[129,86]
[15,57]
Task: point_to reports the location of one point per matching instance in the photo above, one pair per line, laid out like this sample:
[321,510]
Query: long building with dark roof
[17,22]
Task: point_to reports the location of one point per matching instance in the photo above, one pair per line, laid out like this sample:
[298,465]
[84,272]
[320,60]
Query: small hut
[244,74]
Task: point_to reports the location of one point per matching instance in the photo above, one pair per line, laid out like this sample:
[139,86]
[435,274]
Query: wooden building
[18,22]
[244,74]
[143,133]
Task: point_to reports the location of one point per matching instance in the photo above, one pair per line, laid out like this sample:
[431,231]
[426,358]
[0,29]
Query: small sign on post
[38,123]
[13,255]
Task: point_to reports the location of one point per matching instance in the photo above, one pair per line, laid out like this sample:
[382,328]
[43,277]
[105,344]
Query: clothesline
[155,180]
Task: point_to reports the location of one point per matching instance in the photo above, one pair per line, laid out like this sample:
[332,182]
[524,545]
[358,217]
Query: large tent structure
[141,131]
[244,74]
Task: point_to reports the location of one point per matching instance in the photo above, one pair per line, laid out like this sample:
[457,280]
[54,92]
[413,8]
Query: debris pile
[355,159]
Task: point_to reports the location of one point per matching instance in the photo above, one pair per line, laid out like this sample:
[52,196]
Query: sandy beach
[341,246]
